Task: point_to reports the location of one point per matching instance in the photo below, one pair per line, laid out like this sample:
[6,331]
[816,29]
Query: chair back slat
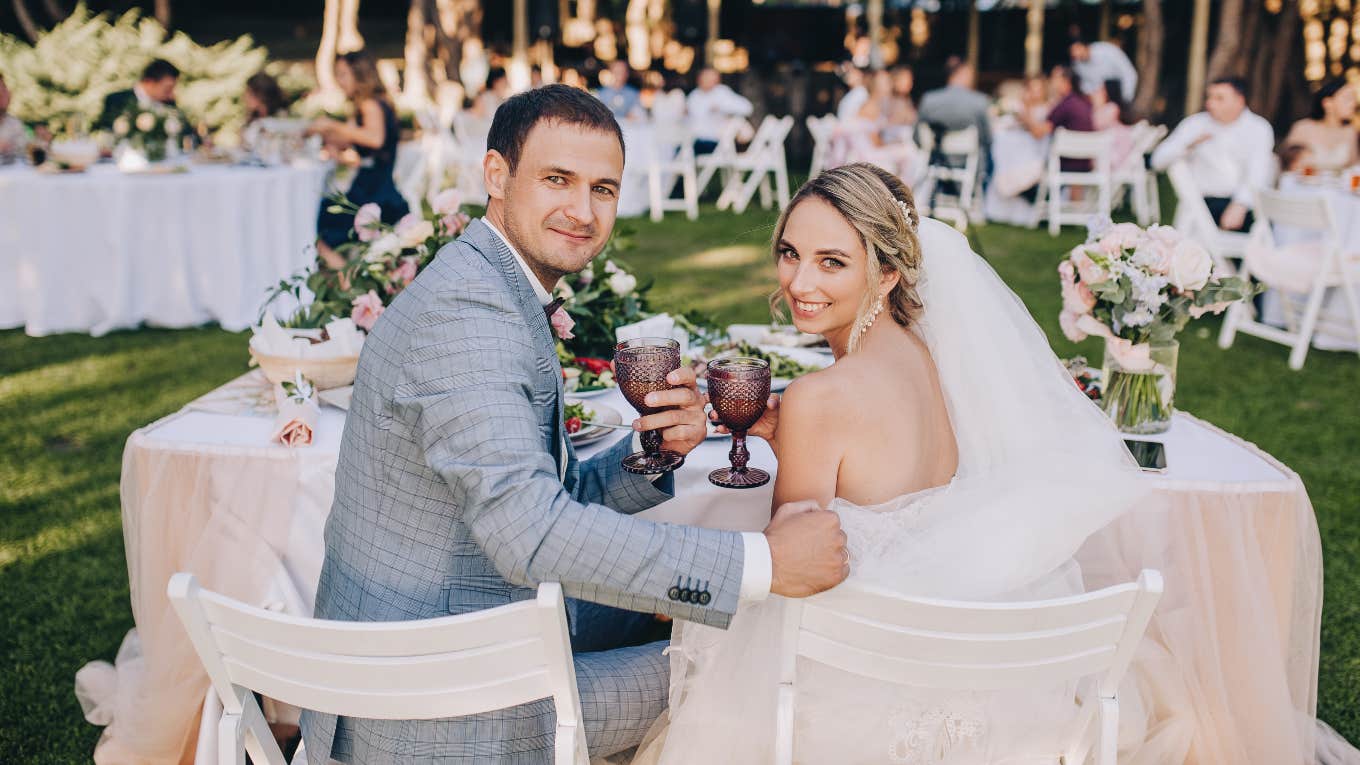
[960,142]
[979,676]
[1309,212]
[1081,144]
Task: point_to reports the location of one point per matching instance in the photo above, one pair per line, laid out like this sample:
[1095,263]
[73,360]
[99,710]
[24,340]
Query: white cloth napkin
[270,339]
[661,325]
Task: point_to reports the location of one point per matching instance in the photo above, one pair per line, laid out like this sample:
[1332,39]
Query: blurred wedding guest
[902,112]
[13,138]
[710,105]
[617,93]
[155,88]
[870,137]
[1111,113]
[1097,62]
[854,98]
[497,90]
[958,105]
[1329,132]
[536,79]
[1294,157]
[1228,149]
[368,139]
[1072,112]
[573,78]
[263,98]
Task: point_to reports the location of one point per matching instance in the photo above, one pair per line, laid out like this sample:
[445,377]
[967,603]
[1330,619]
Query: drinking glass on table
[738,388]
[640,367]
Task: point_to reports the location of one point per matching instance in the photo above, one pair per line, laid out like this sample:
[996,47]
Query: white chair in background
[964,646]
[409,172]
[1133,177]
[720,161]
[672,159]
[1051,203]
[821,128]
[1195,221]
[417,670]
[752,169]
[1313,267]
[955,160]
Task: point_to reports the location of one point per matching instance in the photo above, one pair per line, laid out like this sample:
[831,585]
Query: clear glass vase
[1139,390]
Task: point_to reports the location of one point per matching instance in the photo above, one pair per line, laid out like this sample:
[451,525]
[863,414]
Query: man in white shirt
[1228,149]
[1096,62]
[710,106]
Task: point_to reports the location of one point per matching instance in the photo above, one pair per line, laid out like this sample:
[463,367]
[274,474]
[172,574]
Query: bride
[963,462]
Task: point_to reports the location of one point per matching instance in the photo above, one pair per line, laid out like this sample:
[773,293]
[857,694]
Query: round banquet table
[103,250]
[1234,640]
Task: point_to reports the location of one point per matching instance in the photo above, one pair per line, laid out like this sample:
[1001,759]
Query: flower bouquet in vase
[146,135]
[1137,289]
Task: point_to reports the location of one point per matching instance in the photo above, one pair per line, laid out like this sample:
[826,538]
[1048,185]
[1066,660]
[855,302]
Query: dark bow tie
[551,308]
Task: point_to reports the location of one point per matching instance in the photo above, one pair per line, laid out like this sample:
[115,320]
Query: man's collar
[143,99]
[540,292]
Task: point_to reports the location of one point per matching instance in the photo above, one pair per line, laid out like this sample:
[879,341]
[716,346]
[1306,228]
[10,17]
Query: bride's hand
[765,427]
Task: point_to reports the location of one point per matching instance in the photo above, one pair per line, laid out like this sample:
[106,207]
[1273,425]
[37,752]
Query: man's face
[557,208]
[1224,103]
[1058,83]
[708,79]
[1079,51]
[162,90]
[964,77]
[618,74]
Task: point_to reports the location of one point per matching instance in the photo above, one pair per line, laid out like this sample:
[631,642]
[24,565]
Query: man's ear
[496,174]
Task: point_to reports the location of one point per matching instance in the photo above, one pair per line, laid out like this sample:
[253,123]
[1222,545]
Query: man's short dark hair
[1236,83]
[560,104]
[952,65]
[159,70]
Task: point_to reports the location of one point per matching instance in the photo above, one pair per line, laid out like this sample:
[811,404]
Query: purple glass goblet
[640,367]
[738,388]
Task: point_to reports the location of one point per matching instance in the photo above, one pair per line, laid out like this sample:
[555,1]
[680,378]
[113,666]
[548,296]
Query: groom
[457,489]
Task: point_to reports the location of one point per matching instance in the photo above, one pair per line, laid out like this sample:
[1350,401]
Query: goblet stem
[738,455]
[651,444]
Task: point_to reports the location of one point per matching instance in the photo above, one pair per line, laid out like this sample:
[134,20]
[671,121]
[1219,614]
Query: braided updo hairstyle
[879,206]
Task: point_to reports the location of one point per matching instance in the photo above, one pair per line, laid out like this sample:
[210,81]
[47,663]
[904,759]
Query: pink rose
[367,308]
[404,272]
[446,202]
[1121,236]
[1090,272]
[562,323]
[454,223]
[412,230]
[1133,357]
[1070,329]
[1077,298]
[366,222]
[295,433]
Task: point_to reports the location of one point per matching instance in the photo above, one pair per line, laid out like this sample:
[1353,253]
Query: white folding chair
[1195,221]
[415,670]
[672,159]
[1331,270]
[721,160]
[752,169]
[1093,147]
[958,646]
[1133,177]
[955,160]
[821,129]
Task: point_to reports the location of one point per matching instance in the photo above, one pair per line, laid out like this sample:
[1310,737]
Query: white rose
[1190,266]
[121,126]
[610,268]
[383,245]
[622,282]
[172,126]
[414,231]
[146,122]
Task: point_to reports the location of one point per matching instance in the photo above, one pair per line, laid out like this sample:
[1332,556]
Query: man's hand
[764,428]
[1234,216]
[683,425]
[807,550]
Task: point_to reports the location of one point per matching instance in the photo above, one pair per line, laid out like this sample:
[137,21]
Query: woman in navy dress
[372,134]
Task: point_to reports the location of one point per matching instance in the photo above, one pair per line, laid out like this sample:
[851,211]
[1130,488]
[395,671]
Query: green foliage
[64,77]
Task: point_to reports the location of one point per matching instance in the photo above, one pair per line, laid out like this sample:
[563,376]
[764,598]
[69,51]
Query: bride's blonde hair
[879,206]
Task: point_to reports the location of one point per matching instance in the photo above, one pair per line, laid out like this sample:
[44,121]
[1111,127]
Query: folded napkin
[270,339]
[295,424]
[661,325]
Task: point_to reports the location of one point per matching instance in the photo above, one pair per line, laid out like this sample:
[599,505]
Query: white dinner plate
[596,412]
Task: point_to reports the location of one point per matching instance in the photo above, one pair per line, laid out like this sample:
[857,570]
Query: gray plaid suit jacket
[448,499]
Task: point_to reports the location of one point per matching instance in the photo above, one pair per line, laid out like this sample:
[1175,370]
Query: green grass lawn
[68,403]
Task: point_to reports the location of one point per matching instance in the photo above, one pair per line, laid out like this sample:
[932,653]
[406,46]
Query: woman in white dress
[961,458]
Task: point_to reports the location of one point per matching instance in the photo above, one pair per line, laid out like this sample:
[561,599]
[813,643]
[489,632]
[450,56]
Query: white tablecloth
[1236,540]
[103,250]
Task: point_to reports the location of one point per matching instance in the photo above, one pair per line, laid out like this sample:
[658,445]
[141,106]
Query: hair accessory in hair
[908,213]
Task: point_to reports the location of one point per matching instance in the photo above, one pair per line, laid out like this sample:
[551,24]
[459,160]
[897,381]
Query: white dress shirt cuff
[758,568]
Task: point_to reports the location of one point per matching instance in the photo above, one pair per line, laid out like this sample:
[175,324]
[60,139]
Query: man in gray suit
[958,105]
[457,489]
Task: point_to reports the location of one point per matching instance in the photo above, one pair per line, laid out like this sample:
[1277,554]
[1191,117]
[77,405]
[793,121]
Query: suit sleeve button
[673,593]
[705,598]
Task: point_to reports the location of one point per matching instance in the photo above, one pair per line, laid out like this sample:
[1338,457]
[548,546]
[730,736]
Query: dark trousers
[603,628]
[1216,207]
[704,146]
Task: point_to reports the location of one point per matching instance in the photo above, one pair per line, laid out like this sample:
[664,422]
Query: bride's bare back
[869,429]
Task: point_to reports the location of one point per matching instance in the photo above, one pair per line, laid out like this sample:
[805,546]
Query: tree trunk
[1149,54]
[325,52]
[1034,40]
[25,20]
[349,38]
[637,32]
[1228,41]
[974,34]
[163,13]
[1199,45]
[1248,50]
[415,84]
[1281,62]
[1103,33]
[55,11]
[459,21]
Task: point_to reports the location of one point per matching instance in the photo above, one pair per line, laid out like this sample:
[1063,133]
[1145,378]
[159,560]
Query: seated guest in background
[536,77]
[156,88]
[710,106]
[854,98]
[1228,149]
[372,135]
[624,100]
[1329,132]
[1294,157]
[958,105]
[13,138]
[263,98]
[497,90]
[1072,112]
[1097,62]
[1111,113]
[870,136]
[901,117]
